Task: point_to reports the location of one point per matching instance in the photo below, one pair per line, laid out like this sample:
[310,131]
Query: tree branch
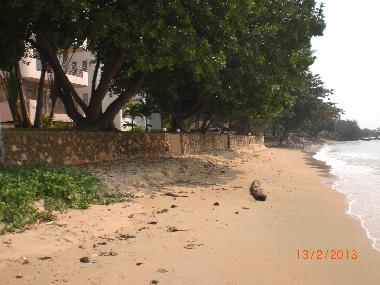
[95,76]
[110,70]
[123,99]
[44,48]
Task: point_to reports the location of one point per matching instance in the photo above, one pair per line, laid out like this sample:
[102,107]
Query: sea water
[356,166]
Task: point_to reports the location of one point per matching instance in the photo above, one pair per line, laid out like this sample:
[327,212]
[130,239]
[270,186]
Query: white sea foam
[356,166]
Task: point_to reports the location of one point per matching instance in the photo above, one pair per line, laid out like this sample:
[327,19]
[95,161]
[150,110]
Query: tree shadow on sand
[161,174]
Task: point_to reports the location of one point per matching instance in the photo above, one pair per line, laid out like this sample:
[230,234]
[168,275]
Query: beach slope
[192,220]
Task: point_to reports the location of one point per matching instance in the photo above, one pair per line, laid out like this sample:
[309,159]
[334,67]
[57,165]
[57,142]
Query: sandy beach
[191,220]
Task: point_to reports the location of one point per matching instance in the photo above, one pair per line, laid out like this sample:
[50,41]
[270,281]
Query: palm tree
[147,107]
[132,109]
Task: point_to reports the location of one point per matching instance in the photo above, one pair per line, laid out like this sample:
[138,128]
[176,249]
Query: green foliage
[138,129]
[309,111]
[132,109]
[229,58]
[22,188]
[45,120]
[256,51]
[348,130]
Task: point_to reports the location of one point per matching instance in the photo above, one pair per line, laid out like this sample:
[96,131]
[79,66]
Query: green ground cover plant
[30,194]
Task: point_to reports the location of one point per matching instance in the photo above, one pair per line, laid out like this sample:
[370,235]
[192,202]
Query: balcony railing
[69,68]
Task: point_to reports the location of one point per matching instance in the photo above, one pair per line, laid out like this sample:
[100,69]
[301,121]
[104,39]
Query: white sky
[348,58]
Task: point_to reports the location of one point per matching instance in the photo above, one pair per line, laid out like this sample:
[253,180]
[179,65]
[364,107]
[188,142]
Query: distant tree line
[349,130]
[203,64]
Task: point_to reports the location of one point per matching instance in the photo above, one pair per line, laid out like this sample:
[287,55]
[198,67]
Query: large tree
[310,110]
[194,56]
[127,38]
[260,49]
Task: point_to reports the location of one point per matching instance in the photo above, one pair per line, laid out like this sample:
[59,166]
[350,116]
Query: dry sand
[158,239]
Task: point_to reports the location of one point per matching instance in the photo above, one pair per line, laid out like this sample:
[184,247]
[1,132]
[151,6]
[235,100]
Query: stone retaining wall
[72,147]
[196,143]
[237,142]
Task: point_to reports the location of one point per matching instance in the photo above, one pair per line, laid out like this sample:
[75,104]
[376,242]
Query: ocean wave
[358,178]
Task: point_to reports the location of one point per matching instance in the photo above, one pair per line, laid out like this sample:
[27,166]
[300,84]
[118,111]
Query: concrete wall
[73,147]
[6,115]
[5,112]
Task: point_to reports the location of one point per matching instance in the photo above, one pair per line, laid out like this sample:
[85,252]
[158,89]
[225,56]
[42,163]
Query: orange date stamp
[327,254]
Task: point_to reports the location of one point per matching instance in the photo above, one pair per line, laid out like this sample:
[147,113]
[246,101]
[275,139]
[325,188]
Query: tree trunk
[53,97]
[206,124]
[52,112]
[14,106]
[110,69]
[95,119]
[176,122]
[15,111]
[69,94]
[24,110]
[285,135]
[40,97]
[9,84]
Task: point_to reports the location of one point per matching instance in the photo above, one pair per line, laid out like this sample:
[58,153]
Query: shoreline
[211,233]
[348,210]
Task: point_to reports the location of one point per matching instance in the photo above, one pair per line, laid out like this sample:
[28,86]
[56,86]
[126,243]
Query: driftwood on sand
[257,191]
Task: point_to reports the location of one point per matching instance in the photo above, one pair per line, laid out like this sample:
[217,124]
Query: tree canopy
[310,111]
[235,60]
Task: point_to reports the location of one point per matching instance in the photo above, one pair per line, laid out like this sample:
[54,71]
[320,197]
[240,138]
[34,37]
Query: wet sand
[213,232]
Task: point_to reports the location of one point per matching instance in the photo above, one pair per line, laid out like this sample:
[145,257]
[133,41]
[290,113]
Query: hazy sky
[348,58]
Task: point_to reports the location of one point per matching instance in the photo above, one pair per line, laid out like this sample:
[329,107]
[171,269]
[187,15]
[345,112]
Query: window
[38,64]
[84,65]
[31,94]
[85,98]
[74,68]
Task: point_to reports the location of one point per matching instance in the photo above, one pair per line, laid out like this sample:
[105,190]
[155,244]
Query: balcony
[31,71]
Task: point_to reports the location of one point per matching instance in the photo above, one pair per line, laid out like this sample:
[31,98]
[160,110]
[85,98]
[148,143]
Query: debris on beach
[257,191]
[85,259]
[99,243]
[107,253]
[162,211]
[216,204]
[173,206]
[153,223]
[193,244]
[139,263]
[125,237]
[45,258]
[169,194]
[172,229]
[162,270]
[143,228]
[19,275]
